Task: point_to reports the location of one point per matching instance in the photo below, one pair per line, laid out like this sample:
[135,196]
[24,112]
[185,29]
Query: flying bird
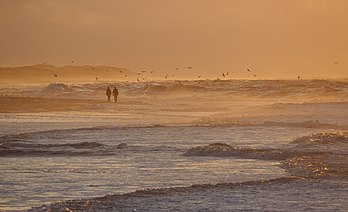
[251,72]
[223,74]
[97,79]
[189,67]
[55,75]
[72,61]
[138,80]
[298,77]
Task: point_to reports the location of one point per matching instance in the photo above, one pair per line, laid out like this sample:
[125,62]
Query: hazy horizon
[275,39]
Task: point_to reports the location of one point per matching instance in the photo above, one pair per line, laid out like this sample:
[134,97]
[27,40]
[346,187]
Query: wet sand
[10,104]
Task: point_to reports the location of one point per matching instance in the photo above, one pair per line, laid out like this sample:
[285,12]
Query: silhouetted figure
[115,93]
[108,93]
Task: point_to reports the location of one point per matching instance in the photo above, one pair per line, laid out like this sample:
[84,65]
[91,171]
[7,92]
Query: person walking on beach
[108,93]
[115,93]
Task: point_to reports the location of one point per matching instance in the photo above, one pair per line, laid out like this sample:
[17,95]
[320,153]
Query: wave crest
[322,154]
[323,138]
[55,88]
[224,150]
[229,121]
[160,88]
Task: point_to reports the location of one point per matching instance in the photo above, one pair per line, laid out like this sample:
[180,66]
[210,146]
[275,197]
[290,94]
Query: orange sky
[274,38]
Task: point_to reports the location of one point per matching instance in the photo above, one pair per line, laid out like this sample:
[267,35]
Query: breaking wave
[68,149]
[55,88]
[323,154]
[218,121]
[323,138]
[125,202]
[159,88]
[224,150]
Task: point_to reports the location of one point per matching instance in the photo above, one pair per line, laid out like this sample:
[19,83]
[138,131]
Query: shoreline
[13,104]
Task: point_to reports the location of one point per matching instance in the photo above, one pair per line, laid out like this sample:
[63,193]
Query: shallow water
[142,143]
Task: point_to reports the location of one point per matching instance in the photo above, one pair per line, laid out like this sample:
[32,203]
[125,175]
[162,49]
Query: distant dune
[49,73]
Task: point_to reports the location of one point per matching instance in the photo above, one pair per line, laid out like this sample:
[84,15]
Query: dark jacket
[108,92]
[115,92]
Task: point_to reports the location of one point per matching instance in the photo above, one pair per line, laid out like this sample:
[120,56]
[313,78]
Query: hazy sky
[274,38]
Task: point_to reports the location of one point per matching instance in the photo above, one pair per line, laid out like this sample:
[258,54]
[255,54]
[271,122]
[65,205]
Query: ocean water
[179,146]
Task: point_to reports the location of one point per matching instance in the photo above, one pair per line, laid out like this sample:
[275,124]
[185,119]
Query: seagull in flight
[251,72]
